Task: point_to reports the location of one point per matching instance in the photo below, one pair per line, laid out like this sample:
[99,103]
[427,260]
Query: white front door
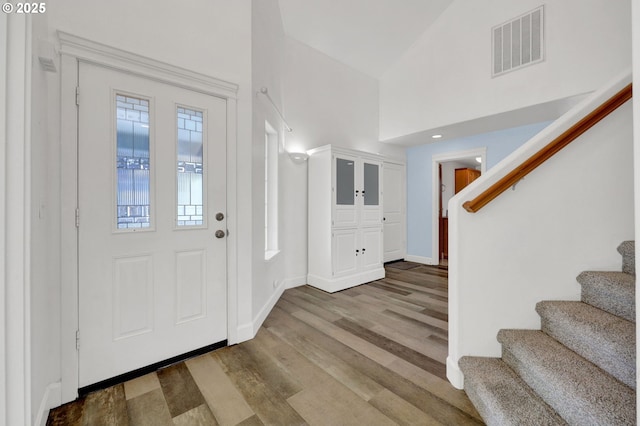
[151,197]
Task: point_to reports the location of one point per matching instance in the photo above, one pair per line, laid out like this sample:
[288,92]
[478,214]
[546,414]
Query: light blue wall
[499,144]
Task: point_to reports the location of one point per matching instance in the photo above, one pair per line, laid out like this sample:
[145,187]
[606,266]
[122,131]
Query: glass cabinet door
[371,184]
[345,182]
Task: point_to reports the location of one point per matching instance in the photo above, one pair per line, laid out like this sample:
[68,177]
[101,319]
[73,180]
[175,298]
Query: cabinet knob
[363,250]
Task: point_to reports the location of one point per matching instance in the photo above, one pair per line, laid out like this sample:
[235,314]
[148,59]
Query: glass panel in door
[190,168]
[132,163]
[371,192]
[345,182]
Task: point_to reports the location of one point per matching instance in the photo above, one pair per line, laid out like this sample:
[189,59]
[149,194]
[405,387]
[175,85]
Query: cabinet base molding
[342,283]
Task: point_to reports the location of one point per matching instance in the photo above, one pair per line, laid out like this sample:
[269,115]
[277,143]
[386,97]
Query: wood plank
[149,409]
[268,405]
[179,388]
[435,314]
[141,385]
[251,421]
[332,367]
[199,416]
[106,407]
[390,288]
[341,335]
[301,301]
[424,346]
[275,376]
[346,407]
[69,414]
[225,401]
[400,411]
[441,290]
[434,385]
[438,326]
[401,351]
[371,367]
[291,358]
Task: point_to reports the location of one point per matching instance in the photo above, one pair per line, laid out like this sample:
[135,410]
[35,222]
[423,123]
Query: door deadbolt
[219,216]
[219,233]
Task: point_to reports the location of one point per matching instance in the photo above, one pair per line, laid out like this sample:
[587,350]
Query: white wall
[15,372]
[446,78]
[267,53]
[528,245]
[326,102]
[420,218]
[45,234]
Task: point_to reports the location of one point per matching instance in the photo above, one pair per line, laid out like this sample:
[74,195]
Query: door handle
[219,216]
[220,233]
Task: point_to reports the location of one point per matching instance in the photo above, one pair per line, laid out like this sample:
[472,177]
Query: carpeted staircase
[580,369]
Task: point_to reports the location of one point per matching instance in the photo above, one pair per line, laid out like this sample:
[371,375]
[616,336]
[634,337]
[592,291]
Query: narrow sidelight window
[270,191]
[190,168]
[133,187]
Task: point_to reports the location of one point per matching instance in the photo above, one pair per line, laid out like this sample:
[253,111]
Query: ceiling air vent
[519,42]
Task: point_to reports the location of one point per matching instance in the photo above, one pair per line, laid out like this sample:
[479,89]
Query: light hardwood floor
[370,355]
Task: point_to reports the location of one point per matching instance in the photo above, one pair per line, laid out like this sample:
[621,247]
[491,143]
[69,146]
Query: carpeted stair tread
[614,292]
[628,251]
[602,338]
[580,392]
[501,397]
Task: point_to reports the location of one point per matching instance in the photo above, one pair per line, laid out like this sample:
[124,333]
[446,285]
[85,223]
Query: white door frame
[15,227]
[73,50]
[436,159]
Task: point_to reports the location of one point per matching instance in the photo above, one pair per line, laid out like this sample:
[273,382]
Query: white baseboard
[245,332]
[266,309]
[454,374]
[336,284]
[52,398]
[295,282]
[420,259]
[249,331]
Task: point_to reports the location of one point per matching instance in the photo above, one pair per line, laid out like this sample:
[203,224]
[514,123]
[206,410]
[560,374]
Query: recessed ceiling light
[436,136]
[479,160]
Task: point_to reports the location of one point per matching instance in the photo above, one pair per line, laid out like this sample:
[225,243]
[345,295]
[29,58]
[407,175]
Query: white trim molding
[15,293]
[74,50]
[420,259]
[111,57]
[295,282]
[454,374]
[52,398]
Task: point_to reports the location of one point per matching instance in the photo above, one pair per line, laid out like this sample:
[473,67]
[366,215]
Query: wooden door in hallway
[152,226]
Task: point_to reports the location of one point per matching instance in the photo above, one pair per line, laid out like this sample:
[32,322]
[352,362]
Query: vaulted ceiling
[368,35]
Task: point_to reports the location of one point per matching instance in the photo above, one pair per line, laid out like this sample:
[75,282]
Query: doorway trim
[74,50]
[436,160]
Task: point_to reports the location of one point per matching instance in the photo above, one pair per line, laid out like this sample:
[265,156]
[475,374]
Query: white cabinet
[345,218]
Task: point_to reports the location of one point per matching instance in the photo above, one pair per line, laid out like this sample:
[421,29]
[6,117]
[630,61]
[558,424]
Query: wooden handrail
[549,151]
